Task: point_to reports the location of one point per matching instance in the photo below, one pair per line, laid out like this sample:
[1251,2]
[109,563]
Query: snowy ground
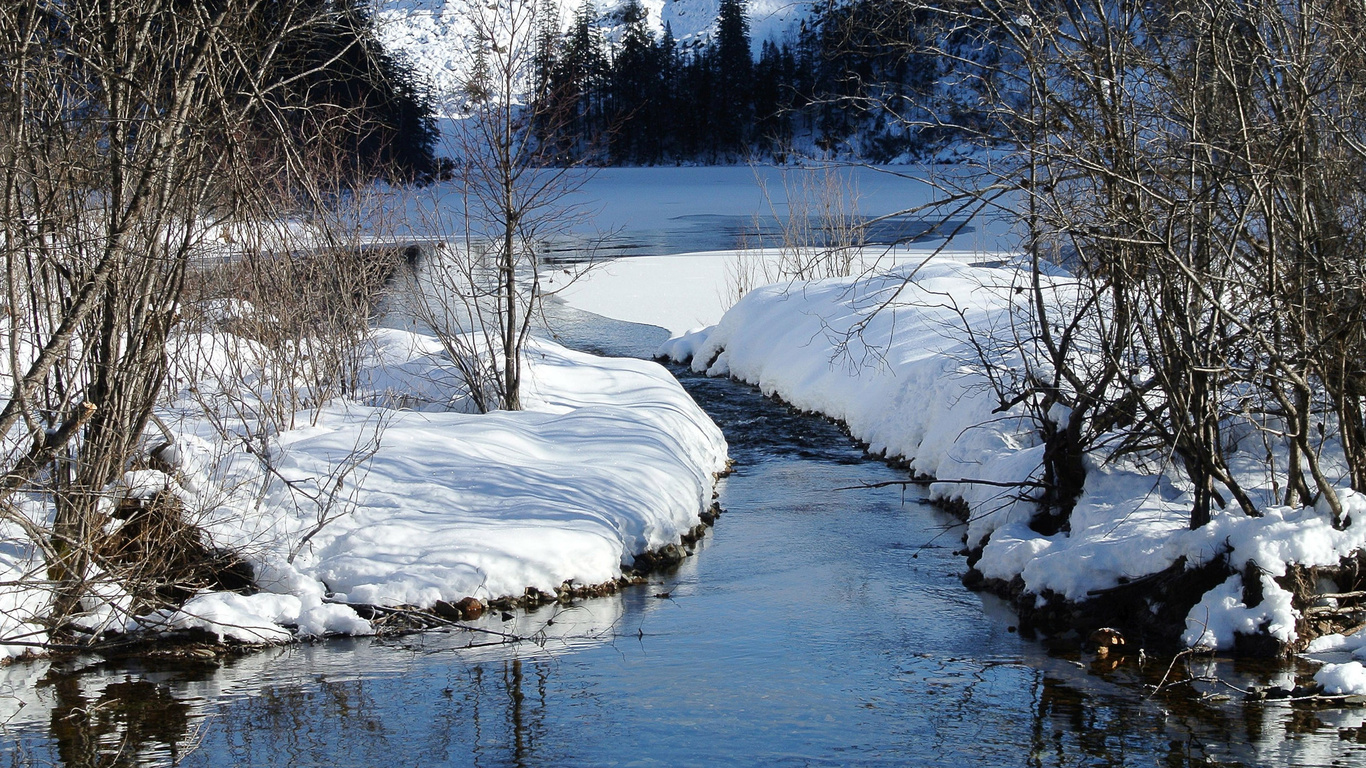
[423,502]
[907,386]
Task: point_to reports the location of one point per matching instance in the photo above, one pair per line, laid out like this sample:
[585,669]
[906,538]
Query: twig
[960,481]
[1162,684]
[427,617]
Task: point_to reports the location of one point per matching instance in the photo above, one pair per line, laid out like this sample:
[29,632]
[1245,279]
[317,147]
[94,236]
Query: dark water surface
[722,232]
[814,627]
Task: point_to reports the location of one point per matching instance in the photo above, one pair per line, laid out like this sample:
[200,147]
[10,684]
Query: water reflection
[378,704]
[134,722]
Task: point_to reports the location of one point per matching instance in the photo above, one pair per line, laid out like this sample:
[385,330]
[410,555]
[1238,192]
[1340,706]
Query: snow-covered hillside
[430,33]
[695,19]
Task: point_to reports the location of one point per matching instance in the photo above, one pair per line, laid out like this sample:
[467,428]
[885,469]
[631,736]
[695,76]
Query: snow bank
[1221,614]
[893,357]
[610,458]
[18,606]
[393,495]
[260,618]
[1349,678]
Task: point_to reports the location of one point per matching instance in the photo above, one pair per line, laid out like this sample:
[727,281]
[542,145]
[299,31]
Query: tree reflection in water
[129,722]
[381,705]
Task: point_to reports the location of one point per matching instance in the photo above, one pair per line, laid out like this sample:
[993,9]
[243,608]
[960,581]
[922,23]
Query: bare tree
[128,132]
[820,231]
[483,287]
[1194,166]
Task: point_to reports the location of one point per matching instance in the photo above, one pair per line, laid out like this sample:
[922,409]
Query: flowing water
[814,626]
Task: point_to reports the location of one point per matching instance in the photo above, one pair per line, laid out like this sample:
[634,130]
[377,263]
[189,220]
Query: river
[814,626]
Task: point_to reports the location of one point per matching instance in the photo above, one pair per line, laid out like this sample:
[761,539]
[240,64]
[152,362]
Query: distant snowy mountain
[431,32]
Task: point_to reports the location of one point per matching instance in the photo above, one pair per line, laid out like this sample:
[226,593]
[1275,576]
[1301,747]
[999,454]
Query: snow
[676,286]
[249,618]
[1348,678]
[676,292]
[431,33]
[393,495]
[1221,613]
[610,458]
[18,606]
[1354,644]
[143,484]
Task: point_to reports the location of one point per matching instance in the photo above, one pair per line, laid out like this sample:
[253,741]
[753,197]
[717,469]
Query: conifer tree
[698,130]
[732,108]
[635,89]
[341,88]
[773,97]
[546,55]
[669,115]
[582,74]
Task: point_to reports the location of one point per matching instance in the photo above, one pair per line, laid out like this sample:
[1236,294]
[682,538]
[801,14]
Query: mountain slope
[431,33]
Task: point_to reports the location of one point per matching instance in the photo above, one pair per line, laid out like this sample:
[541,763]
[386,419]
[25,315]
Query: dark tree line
[650,99]
[347,101]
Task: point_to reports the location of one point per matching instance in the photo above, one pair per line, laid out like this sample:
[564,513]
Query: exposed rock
[470,608]
[1107,639]
[448,611]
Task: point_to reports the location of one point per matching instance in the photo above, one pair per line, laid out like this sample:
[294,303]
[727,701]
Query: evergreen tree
[551,97]
[546,55]
[773,98]
[669,116]
[351,98]
[581,77]
[732,109]
[635,90]
[696,105]
[846,83]
[866,61]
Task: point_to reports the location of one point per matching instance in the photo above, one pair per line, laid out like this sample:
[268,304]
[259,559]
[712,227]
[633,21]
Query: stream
[814,626]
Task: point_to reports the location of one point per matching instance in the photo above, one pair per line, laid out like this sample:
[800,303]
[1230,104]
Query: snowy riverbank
[421,502]
[889,356]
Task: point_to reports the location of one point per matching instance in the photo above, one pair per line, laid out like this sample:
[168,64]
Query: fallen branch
[960,481]
[426,617]
[1341,595]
